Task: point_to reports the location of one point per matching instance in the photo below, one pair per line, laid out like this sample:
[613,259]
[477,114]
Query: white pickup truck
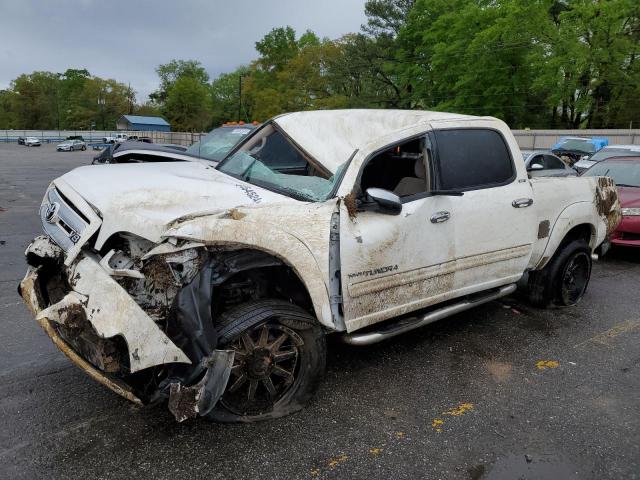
[213,286]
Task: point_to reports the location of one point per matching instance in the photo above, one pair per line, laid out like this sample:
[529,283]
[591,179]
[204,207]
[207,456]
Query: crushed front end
[134,315]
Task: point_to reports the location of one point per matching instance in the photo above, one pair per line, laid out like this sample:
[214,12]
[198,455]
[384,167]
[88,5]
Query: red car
[626,173]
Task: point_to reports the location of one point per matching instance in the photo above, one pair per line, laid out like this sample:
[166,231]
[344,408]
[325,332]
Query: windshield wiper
[625,185]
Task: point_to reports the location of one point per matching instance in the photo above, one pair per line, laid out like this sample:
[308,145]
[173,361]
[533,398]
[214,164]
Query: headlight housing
[630,212]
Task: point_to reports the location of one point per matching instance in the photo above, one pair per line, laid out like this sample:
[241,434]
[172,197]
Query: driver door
[393,264]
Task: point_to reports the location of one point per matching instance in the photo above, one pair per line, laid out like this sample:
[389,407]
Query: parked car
[21,140]
[545,164]
[214,288]
[608,152]
[32,142]
[117,138]
[574,149]
[75,137]
[140,152]
[70,145]
[219,141]
[626,173]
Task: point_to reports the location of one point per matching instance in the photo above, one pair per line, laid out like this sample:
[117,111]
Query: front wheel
[565,279]
[280,355]
[83,148]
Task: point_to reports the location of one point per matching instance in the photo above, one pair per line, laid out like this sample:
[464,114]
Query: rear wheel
[565,279]
[280,355]
[84,147]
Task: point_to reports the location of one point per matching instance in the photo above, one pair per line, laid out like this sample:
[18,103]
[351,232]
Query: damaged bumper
[94,321]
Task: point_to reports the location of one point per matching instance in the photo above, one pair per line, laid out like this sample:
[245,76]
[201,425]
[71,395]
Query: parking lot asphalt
[500,392]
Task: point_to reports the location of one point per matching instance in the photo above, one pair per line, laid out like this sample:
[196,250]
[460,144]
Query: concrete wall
[527,139]
[544,139]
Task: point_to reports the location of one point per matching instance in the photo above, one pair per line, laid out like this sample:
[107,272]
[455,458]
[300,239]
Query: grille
[630,236]
[61,221]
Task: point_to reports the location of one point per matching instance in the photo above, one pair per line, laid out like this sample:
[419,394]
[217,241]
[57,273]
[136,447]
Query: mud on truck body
[213,286]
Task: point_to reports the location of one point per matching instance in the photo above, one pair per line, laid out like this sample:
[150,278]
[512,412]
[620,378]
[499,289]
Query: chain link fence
[97,136]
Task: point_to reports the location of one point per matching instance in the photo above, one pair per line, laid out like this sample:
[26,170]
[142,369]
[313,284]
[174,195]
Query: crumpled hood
[144,198]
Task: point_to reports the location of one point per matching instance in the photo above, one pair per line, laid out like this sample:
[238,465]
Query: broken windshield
[217,143]
[270,160]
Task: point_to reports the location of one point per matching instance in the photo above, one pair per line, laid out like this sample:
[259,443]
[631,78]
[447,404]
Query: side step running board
[407,324]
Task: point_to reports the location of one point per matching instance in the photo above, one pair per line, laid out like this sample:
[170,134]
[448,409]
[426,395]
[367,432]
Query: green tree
[69,97]
[225,97]
[188,105]
[170,72]
[276,48]
[7,118]
[592,76]
[34,100]
[386,17]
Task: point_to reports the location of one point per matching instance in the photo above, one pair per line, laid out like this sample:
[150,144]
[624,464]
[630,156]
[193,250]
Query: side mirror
[535,166]
[388,202]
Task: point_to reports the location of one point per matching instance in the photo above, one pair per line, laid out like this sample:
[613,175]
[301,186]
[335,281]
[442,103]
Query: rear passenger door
[493,221]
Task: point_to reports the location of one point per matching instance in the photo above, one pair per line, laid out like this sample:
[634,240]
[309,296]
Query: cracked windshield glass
[271,161]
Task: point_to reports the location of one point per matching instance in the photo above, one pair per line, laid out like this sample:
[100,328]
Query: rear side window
[472,158]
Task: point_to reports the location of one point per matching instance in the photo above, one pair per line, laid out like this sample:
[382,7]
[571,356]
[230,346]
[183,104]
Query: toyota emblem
[51,213]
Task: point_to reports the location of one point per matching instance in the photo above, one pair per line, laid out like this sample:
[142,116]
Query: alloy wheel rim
[575,278]
[264,370]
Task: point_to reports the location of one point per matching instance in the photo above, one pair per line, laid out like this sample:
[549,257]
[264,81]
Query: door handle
[440,217]
[522,202]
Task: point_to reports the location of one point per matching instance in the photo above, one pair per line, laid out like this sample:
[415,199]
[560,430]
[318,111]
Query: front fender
[270,238]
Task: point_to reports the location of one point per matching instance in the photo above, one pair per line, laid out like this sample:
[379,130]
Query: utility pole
[240,96]
[101,102]
[130,98]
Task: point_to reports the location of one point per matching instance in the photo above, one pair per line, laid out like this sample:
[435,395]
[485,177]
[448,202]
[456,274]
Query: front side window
[537,160]
[401,169]
[270,160]
[470,159]
[554,163]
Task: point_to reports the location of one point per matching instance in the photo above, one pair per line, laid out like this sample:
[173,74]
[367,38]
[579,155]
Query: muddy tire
[564,280]
[279,363]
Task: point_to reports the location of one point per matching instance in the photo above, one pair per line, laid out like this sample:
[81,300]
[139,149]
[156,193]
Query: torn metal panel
[42,247]
[166,247]
[191,327]
[299,236]
[34,302]
[199,399]
[607,203]
[113,312]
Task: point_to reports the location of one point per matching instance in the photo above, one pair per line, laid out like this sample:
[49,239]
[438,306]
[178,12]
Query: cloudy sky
[127,40]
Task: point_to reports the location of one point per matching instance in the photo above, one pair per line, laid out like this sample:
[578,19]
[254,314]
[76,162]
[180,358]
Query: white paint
[143,198]
[331,136]
[487,243]
[113,312]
